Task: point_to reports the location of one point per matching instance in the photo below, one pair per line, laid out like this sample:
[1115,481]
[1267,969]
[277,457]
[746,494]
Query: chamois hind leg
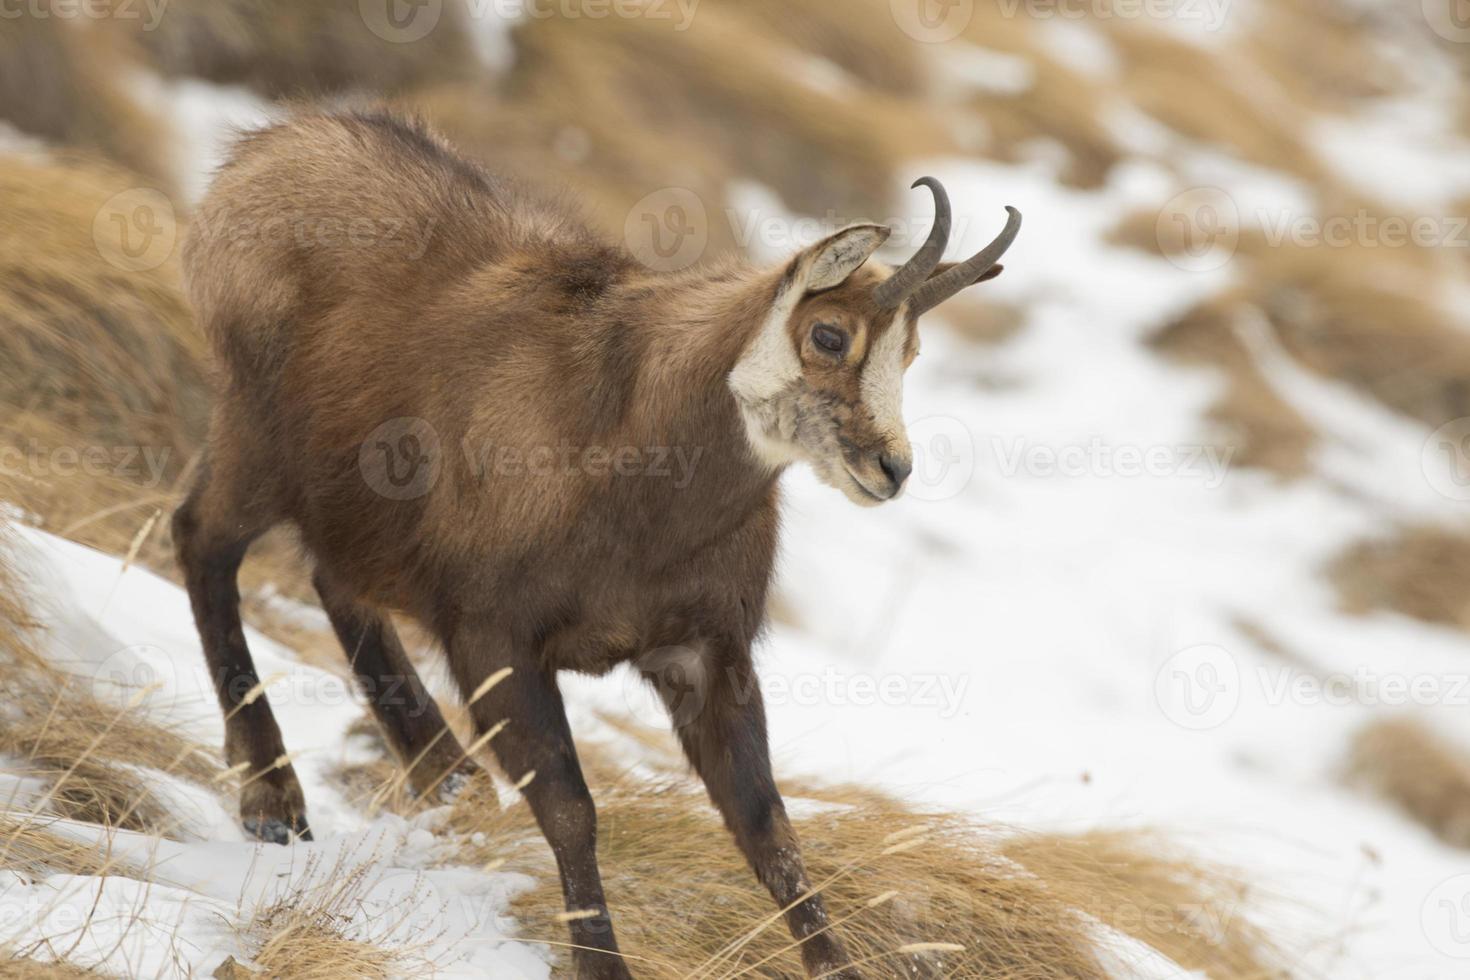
[212,531]
[403,706]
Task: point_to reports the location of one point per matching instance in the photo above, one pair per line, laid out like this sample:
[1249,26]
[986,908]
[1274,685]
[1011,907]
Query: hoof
[273,831]
[453,786]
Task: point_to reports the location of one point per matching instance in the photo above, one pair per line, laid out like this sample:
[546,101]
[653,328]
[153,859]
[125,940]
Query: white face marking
[882,382]
[769,366]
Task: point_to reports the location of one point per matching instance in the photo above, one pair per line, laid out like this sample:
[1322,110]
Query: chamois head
[823,380]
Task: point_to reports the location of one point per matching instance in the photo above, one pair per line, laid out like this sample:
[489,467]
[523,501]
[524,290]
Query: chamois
[460,396]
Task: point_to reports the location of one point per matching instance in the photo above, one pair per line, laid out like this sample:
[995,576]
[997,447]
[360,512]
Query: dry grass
[1403,761]
[1419,571]
[59,82]
[1008,907]
[1061,106]
[105,392]
[1366,316]
[1210,99]
[1199,915]
[287,48]
[635,107]
[1250,417]
[305,942]
[107,351]
[1320,53]
[15,967]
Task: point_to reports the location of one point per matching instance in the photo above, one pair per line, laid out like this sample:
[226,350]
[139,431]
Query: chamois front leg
[723,731]
[536,745]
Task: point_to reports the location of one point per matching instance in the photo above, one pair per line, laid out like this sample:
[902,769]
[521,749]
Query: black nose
[897,468]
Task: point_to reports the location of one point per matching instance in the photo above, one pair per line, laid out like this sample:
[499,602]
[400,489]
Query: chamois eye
[829,338]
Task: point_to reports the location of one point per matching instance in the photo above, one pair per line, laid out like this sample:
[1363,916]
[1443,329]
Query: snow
[132,630]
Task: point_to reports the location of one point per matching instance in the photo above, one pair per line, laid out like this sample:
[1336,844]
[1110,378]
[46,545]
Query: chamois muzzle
[913,282]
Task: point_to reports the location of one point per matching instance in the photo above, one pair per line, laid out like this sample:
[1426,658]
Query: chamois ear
[829,262]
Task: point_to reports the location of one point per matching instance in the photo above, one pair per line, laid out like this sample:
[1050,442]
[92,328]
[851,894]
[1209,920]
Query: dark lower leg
[536,745]
[405,710]
[272,806]
[726,743]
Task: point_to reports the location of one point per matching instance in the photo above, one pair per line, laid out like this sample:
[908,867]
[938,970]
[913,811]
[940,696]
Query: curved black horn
[893,290]
[946,284]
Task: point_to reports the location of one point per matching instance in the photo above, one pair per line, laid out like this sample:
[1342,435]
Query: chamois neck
[695,330]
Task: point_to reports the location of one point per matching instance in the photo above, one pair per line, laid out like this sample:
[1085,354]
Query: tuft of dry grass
[1419,571]
[94,755]
[95,344]
[316,932]
[1139,883]
[895,877]
[307,944]
[1250,417]
[1406,763]
[59,81]
[286,48]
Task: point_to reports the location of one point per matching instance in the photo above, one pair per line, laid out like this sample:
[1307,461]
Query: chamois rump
[377,304]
